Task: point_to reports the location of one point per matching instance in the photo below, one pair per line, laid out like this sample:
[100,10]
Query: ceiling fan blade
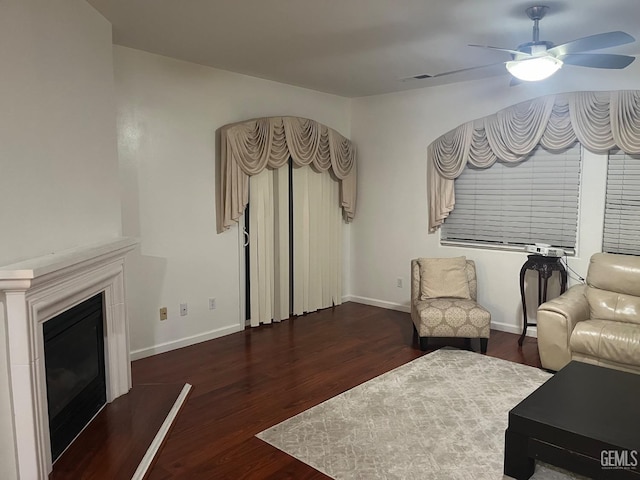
[593,42]
[512,52]
[452,72]
[598,60]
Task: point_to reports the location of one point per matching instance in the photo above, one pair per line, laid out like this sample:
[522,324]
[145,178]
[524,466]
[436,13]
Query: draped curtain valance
[249,147]
[599,120]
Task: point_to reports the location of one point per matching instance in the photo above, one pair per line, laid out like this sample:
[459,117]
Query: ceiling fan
[539,59]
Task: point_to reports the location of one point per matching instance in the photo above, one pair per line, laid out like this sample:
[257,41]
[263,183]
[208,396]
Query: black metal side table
[545,266]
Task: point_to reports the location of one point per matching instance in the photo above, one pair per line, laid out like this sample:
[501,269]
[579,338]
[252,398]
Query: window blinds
[622,207]
[532,201]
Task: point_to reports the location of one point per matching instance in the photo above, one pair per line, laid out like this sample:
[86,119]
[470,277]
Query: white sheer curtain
[317,241]
[269,246]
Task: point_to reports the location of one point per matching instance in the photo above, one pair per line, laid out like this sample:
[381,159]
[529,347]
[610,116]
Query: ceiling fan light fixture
[534,69]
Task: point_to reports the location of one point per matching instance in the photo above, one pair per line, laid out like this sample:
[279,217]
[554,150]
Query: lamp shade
[534,69]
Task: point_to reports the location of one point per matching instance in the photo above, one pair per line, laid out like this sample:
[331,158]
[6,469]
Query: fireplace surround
[37,290]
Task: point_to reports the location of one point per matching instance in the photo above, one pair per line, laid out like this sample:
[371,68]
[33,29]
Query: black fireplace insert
[75,370]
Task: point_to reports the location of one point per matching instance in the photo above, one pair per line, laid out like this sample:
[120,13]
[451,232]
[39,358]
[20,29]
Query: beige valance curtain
[599,120]
[249,147]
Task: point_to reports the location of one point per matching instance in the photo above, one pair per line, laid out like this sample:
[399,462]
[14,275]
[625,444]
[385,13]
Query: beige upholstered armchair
[598,322]
[443,300]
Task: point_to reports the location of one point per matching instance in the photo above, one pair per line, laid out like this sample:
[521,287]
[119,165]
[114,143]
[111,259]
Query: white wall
[59,176]
[168,114]
[392,133]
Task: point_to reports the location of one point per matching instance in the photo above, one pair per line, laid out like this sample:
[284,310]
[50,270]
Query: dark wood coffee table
[585,419]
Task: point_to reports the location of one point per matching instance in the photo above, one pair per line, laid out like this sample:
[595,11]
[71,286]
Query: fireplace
[35,293]
[74,371]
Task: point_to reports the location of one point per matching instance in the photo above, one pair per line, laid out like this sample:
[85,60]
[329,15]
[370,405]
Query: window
[622,206]
[516,204]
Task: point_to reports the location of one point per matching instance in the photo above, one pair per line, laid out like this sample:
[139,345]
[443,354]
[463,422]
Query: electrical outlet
[163,313]
[399,282]
[212,304]
[183,309]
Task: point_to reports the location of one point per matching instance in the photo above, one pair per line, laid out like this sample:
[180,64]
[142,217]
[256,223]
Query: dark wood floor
[249,381]
[114,443]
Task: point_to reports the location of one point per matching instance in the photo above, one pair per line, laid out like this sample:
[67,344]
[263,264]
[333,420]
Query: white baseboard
[220,332]
[500,326]
[377,303]
[184,342]
[509,328]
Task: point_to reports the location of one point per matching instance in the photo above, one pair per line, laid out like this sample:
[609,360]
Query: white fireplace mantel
[37,290]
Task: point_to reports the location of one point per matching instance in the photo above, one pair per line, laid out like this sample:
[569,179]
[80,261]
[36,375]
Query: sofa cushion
[614,341]
[616,273]
[443,277]
[453,317]
[608,305]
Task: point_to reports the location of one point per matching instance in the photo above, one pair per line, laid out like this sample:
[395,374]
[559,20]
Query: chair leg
[424,343]
[484,342]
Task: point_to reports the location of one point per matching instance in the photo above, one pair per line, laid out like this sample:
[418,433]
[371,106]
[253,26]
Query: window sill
[497,247]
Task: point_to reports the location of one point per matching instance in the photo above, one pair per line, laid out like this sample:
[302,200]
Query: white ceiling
[356,47]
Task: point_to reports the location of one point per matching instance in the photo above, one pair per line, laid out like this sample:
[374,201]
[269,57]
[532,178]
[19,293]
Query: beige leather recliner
[598,322]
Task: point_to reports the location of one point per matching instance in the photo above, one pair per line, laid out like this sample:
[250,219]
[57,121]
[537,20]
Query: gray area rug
[441,416]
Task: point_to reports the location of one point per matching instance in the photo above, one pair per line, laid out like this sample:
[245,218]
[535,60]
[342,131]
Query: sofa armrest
[572,304]
[556,320]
